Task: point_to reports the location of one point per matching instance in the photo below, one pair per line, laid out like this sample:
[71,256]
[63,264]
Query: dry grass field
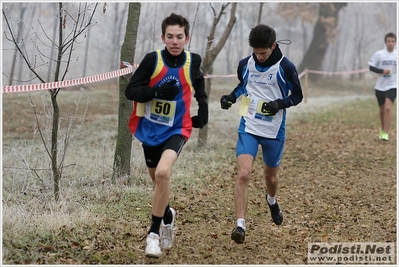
[337,184]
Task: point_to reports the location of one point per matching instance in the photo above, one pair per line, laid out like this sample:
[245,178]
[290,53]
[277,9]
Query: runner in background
[384,62]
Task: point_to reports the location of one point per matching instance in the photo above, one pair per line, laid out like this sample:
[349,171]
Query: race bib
[257,110]
[161,111]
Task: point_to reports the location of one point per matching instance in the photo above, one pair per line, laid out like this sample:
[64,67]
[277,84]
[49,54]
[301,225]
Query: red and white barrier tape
[126,68]
[207,76]
[332,73]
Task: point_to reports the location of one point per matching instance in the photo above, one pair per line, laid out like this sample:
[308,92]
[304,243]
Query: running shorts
[153,154]
[382,95]
[272,149]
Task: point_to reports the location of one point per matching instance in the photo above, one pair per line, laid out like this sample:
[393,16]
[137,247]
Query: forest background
[360,31]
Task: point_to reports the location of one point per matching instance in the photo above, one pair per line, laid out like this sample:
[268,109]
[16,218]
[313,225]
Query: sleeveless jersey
[262,87]
[163,118]
[383,59]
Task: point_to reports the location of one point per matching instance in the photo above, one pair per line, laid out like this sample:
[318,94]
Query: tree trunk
[210,56]
[260,12]
[54,145]
[121,166]
[323,34]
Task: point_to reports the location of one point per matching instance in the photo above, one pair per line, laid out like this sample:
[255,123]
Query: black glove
[201,119]
[166,91]
[271,108]
[227,100]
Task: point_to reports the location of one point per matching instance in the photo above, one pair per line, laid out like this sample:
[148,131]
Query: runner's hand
[201,119]
[166,91]
[271,108]
[227,100]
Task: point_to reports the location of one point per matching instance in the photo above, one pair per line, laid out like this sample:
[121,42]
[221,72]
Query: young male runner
[384,62]
[266,79]
[164,81]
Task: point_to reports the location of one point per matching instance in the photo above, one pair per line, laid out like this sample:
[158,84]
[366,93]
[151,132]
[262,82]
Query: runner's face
[262,54]
[175,39]
[390,42]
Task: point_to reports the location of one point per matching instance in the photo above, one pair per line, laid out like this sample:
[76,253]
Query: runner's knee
[244,175]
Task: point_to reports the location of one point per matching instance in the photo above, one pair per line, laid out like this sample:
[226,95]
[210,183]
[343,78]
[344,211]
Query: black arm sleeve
[138,89]
[291,75]
[376,70]
[198,79]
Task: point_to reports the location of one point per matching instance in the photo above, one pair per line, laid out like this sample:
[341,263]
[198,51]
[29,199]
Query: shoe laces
[167,230]
[153,236]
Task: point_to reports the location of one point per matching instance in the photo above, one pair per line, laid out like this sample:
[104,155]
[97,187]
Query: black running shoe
[238,235]
[277,215]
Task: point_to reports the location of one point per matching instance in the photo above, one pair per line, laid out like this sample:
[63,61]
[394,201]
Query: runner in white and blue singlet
[270,83]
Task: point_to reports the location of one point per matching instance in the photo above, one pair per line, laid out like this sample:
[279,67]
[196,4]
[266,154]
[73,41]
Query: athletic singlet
[261,88]
[163,118]
[383,59]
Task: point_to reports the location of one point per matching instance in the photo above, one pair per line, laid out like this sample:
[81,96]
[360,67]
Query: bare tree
[122,156]
[18,38]
[71,25]
[212,52]
[324,33]
[119,17]
[304,12]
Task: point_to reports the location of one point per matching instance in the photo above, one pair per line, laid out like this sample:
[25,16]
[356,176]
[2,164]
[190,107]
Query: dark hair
[391,34]
[175,19]
[262,36]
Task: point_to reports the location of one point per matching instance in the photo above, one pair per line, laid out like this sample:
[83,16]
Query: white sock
[241,223]
[271,200]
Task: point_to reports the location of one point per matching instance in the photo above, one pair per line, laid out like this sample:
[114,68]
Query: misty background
[360,32]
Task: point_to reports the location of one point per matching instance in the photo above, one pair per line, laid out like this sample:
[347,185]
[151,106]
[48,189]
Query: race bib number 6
[261,108]
[261,111]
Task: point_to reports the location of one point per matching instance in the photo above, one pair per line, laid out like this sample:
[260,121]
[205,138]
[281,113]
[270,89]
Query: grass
[337,184]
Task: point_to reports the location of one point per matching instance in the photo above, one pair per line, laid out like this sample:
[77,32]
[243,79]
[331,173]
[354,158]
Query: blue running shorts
[272,149]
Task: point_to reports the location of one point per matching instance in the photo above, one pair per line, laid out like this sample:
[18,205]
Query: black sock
[155,224]
[167,216]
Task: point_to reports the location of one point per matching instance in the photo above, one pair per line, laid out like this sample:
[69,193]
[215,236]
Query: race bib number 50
[161,111]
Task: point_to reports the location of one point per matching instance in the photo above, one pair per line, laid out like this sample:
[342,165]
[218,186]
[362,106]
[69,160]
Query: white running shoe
[167,232]
[152,249]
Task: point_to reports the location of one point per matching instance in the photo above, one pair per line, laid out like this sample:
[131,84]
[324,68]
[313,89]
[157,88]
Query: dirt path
[337,184]
[323,103]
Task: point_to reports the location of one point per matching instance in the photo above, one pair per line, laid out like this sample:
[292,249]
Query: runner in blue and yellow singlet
[162,88]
